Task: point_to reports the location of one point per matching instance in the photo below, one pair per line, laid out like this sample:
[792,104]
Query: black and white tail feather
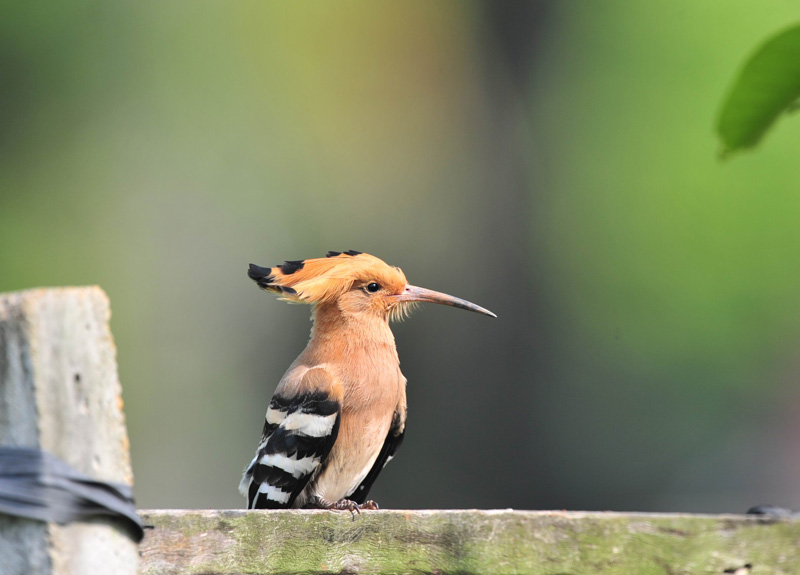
[299,433]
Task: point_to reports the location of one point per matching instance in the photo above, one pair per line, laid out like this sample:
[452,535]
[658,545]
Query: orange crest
[322,280]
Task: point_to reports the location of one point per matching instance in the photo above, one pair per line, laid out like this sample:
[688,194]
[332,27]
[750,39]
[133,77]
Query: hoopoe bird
[338,414]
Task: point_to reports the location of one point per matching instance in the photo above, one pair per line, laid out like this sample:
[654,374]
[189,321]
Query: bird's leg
[318,502]
[347,505]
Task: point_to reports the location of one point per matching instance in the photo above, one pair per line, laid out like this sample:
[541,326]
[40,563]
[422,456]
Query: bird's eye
[373,287]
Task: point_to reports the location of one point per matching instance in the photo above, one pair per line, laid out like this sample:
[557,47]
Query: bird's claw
[342,505]
[353,507]
[347,505]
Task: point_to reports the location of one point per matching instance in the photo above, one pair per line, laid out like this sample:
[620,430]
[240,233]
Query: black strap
[773,512]
[38,485]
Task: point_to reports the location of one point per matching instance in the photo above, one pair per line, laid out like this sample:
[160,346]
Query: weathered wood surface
[466,542]
[59,392]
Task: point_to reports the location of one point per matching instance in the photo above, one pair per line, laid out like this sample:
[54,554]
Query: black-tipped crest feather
[323,279]
[257,272]
[291,266]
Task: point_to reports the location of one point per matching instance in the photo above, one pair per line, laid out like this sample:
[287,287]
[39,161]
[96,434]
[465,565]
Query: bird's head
[357,283]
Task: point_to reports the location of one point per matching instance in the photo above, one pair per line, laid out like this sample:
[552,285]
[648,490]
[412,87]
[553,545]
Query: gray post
[59,392]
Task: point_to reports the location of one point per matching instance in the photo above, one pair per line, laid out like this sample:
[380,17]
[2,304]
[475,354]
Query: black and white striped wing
[299,433]
[393,440]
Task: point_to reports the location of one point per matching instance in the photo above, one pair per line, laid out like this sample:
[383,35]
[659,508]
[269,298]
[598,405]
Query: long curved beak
[414,293]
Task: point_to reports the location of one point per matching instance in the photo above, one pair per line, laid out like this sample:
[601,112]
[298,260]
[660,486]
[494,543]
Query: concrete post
[59,392]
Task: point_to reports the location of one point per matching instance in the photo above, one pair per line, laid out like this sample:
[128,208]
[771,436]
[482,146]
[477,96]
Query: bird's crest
[321,280]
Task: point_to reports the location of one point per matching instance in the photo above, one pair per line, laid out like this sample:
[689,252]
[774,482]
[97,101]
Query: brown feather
[324,280]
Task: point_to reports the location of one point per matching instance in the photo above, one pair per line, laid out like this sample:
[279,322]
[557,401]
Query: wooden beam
[59,392]
[466,542]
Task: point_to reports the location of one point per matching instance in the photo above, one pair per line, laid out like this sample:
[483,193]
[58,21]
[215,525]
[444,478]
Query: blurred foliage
[768,86]
[550,161]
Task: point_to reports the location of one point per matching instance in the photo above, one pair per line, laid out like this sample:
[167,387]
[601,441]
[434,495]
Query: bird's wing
[299,432]
[393,440]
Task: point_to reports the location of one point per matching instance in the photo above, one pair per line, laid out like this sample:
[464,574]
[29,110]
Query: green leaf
[768,85]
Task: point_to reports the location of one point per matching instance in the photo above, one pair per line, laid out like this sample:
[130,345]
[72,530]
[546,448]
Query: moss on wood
[465,542]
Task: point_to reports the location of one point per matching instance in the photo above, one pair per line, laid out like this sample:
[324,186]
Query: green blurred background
[554,162]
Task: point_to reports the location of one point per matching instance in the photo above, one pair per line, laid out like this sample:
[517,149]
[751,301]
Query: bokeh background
[552,161]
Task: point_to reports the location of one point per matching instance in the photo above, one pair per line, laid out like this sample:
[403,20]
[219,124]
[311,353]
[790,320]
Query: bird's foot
[347,505]
[342,505]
